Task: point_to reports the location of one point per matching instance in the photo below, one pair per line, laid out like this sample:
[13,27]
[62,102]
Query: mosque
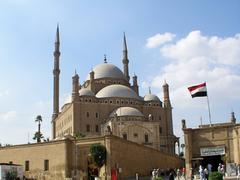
[107,108]
[107,102]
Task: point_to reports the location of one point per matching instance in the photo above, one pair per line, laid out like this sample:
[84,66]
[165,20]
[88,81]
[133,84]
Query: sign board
[212,151]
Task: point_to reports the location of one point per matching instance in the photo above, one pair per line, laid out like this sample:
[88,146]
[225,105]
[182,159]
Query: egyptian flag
[199,90]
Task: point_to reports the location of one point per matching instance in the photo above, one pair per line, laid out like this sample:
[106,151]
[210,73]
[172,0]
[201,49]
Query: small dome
[86,92]
[126,111]
[151,97]
[107,71]
[117,90]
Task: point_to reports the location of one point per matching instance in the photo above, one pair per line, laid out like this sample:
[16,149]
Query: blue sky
[185,42]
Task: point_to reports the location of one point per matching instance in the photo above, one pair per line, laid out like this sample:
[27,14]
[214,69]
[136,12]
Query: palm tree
[38,135]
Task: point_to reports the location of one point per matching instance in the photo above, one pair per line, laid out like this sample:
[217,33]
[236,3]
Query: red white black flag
[199,90]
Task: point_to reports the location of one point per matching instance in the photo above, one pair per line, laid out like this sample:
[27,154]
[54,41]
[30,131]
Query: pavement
[181,178]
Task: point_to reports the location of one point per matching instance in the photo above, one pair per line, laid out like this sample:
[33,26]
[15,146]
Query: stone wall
[225,134]
[55,152]
[132,157]
[66,156]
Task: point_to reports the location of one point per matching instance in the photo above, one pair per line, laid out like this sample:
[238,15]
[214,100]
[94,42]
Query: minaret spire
[166,98]
[233,118]
[56,72]
[125,58]
[105,58]
[149,90]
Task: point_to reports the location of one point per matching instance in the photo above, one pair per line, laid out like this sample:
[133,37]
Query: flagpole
[209,113]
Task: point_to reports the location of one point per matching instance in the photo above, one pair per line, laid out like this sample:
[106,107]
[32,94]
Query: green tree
[216,176]
[98,153]
[38,135]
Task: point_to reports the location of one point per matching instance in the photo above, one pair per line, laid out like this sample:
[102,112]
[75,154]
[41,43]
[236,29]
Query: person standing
[219,167]
[206,173]
[209,166]
[201,173]
[238,171]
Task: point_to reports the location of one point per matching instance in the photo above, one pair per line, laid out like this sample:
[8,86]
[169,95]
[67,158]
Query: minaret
[75,87]
[233,118]
[149,90]
[125,58]
[56,72]
[135,84]
[166,98]
[168,115]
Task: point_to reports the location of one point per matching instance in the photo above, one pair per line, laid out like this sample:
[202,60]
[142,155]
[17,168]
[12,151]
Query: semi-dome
[86,92]
[151,97]
[117,90]
[107,71]
[126,111]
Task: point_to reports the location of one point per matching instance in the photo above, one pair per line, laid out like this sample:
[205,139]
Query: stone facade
[224,136]
[107,109]
[105,90]
[68,158]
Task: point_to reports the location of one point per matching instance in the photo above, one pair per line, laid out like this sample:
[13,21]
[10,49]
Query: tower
[125,58]
[135,84]
[233,118]
[168,113]
[56,72]
[166,99]
[75,87]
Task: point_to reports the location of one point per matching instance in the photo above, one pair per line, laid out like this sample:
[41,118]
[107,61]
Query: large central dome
[107,71]
[117,90]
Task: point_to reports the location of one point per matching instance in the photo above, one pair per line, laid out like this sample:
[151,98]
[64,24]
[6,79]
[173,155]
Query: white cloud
[159,39]
[4,93]
[8,116]
[217,50]
[198,58]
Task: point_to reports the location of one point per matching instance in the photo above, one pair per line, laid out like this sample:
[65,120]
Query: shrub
[216,176]
[98,153]
[157,178]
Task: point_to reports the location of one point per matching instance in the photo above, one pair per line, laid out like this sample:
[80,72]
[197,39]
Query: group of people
[204,172]
[221,168]
[170,173]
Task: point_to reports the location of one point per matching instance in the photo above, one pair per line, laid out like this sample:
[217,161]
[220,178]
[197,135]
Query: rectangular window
[146,138]
[160,129]
[135,135]
[88,128]
[125,136]
[97,129]
[46,165]
[26,165]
